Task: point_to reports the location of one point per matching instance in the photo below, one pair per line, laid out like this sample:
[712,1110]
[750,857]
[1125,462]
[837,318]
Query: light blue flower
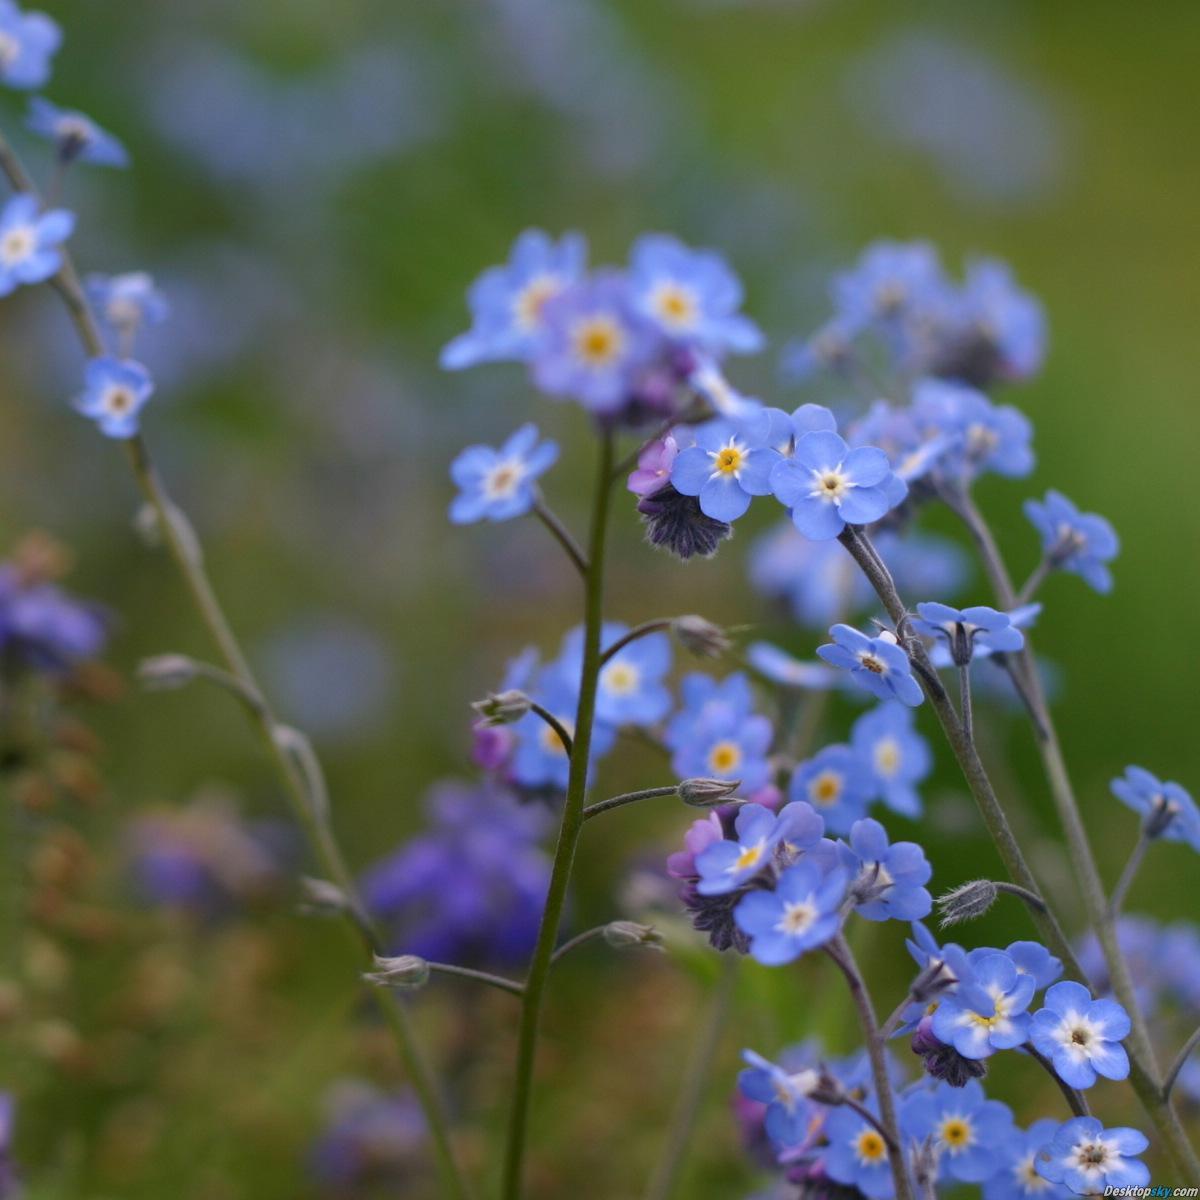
[1167,809]
[28,41]
[29,241]
[987,1013]
[966,1130]
[115,391]
[857,1154]
[877,663]
[1082,543]
[726,865]
[76,136]
[539,758]
[781,668]
[1088,1158]
[1081,1036]
[1016,1176]
[801,913]
[508,302]
[126,302]
[898,757]
[889,280]
[981,436]
[837,783]
[691,295]
[887,880]
[724,469]
[498,485]
[1001,319]
[1033,959]
[630,689]
[965,629]
[982,645]
[828,486]
[785,1093]
[728,746]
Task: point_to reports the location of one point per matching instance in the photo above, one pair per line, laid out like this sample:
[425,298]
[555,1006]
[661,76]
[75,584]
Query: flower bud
[629,933]
[703,793]
[502,708]
[967,902]
[700,637]
[407,972]
[165,672]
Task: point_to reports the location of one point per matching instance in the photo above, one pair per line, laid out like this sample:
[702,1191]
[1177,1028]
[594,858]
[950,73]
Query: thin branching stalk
[486,977]
[1180,1059]
[561,534]
[568,833]
[580,939]
[1037,577]
[1075,1100]
[646,628]
[550,719]
[1128,875]
[603,806]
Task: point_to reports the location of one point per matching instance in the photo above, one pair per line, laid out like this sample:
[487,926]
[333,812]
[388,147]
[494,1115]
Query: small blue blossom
[1089,1158]
[898,757]
[76,136]
[726,865]
[115,391]
[837,783]
[498,485]
[889,280]
[967,1131]
[28,41]
[877,663]
[1081,1036]
[785,1093]
[982,436]
[828,486]
[964,629]
[42,626]
[630,689]
[725,469]
[802,912]
[1082,543]
[1167,809]
[857,1154]
[988,1012]
[126,302]
[708,701]
[594,345]
[29,241]
[691,295]
[1000,331]
[830,348]
[709,382]
[781,668]
[724,744]
[1033,959]
[508,302]
[982,644]
[887,880]
[1017,1177]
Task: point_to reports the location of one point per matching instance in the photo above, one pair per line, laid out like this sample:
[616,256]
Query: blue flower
[127,302]
[966,1130]
[982,644]
[27,43]
[369,1137]
[1081,1036]
[1088,1158]
[899,757]
[887,880]
[877,663]
[594,344]
[1082,543]
[819,580]
[988,1012]
[500,484]
[785,1093]
[966,628]
[982,436]
[724,469]
[837,783]
[857,1154]
[803,912]
[630,690]
[508,303]
[691,295]
[44,627]
[115,391]
[828,486]
[708,701]
[1000,329]
[77,136]
[830,348]
[29,241]
[781,668]
[726,865]
[1167,809]
[889,280]
[1033,959]
[1016,1176]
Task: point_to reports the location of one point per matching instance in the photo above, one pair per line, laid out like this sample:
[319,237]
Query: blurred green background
[314,185]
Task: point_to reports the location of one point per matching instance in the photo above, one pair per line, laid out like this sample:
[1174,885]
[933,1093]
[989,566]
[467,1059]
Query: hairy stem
[1076,1101]
[603,806]
[495,981]
[568,833]
[646,628]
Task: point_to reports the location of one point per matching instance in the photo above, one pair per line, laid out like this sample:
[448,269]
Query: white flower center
[117,400]
[1028,1179]
[502,481]
[71,128]
[869,662]
[956,1134]
[1078,1035]
[598,341]
[675,304]
[887,757]
[798,917]
[17,244]
[981,441]
[620,679]
[531,299]
[1091,1158]
[830,485]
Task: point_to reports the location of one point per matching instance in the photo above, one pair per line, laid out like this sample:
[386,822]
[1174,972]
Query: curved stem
[638,631]
[1030,587]
[839,950]
[568,833]
[1184,1054]
[559,728]
[1117,900]
[183,548]
[1078,1104]
[665,1179]
[561,534]
[603,806]
[580,939]
[1143,1066]
[496,981]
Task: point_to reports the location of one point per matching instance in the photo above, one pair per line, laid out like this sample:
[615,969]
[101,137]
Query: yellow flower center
[621,679]
[870,1146]
[825,789]
[551,742]
[725,757]
[729,459]
[887,757]
[531,299]
[598,341]
[872,664]
[956,1134]
[675,305]
[749,857]
[17,245]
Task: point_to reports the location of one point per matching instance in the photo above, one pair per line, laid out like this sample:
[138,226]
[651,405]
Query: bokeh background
[314,186]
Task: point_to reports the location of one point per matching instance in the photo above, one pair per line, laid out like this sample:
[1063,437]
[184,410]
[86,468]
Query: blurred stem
[569,829]
[638,631]
[665,1179]
[1117,901]
[1143,1066]
[1036,578]
[580,939]
[839,950]
[184,550]
[1180,1059]
[550,719]
[560,533]
[496,981]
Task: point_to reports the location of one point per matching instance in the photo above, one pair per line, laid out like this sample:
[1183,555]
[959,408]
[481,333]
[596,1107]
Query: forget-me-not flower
[966,1130]
[1033,959]
[29,241]
[1081,1036]
[857,1154]
[801,913]
[785,1093]
[28,41]
[1088,1158]
[1167,809]
[630,689]
[127,301]
[498,485]
[888,881]
[1082,543]
[877,663]
[987,1012]
[1016,1176]
[726,865]
[837,783]
[982,436]
[964,629]
[115,391]
[76,136]
[897,756]
[724,470]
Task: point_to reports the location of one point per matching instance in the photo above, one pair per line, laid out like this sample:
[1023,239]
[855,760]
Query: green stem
[664,1181]
[660,625]
[603,806]
[568,833]
[1144,1072]
[496,981]
[1117,900]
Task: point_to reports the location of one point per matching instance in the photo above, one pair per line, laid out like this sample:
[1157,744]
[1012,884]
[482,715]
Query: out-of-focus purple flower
[43,627]
[654,466]
[471,887]
[370,1138]
[10,1186]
